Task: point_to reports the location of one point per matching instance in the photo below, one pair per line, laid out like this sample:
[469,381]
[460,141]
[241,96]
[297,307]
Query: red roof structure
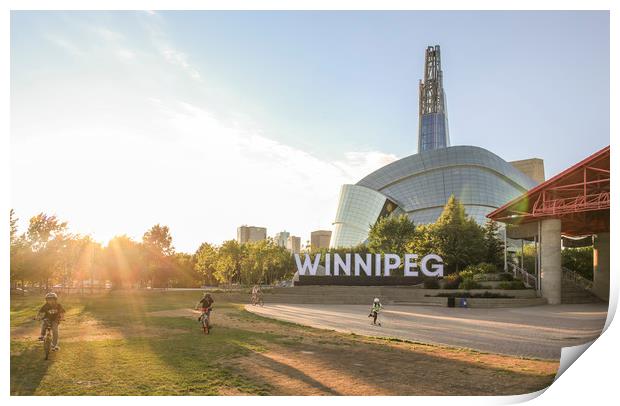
[579,196]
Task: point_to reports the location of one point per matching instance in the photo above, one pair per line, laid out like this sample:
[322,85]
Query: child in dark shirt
[51,313]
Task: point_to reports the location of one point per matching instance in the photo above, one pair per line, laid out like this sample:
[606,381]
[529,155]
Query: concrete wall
[551,260]
[601,266]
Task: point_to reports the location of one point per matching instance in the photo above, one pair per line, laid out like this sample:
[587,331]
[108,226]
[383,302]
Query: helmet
[51,295]
[376,300]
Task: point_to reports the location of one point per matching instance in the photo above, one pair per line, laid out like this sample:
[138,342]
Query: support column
[601,266]
[551,260]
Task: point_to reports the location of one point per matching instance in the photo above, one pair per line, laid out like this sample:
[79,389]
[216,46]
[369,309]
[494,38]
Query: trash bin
[450,301]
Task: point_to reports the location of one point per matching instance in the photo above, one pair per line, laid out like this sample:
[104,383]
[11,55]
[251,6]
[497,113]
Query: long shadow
[417,373]
[28,367]
[294,373]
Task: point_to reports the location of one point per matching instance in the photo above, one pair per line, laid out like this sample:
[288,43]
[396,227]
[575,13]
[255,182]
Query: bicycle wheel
[47,345]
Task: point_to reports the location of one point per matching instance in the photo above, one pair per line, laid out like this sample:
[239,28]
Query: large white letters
[392,262]
[437,267]
[410,262]
[308,265]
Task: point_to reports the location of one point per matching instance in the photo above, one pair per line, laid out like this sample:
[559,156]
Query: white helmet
[376,300]
[51,295]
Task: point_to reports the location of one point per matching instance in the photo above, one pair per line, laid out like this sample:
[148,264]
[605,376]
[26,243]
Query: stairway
[573,293]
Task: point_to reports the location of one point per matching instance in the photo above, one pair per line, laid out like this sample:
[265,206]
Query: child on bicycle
[374,310]
[51,313]
[257,294]
[205,305]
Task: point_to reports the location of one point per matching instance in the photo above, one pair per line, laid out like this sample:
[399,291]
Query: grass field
[149,343]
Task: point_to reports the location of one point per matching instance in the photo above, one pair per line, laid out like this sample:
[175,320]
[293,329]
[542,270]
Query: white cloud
[64,43]
[106,34]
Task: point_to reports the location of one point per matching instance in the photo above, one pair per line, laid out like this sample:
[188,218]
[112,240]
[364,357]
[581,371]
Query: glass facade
[433,132]
[358,209]
[421,184]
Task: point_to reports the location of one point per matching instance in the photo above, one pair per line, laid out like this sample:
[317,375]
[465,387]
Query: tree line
[46,254]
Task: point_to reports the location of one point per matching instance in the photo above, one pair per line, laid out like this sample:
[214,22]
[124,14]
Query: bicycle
[205,321]
[47,340]
[257,300]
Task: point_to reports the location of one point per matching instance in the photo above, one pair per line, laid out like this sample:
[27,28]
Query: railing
[521,274]
[577,279]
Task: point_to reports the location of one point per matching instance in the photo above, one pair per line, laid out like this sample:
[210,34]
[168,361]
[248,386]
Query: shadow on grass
[28,367]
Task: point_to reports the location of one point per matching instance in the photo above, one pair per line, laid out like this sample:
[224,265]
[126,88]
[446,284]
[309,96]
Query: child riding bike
[51,313]
[205,305]
[374,311]
[257,295]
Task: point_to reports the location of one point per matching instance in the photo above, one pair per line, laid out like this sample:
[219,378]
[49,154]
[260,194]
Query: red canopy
[579,196]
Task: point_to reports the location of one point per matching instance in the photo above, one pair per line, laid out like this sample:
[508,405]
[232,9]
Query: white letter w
[308,265]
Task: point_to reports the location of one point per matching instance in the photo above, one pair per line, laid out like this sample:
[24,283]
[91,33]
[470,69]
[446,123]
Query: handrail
[579,280]
[527,278]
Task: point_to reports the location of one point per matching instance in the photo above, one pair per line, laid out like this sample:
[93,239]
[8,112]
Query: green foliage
[457,238]
[580,260]
[493,244]
[228,265]
[469,283]
[205,262]
[505,276]
[483,295]
[391,234]
[452,281]
[512,285]
[47,254]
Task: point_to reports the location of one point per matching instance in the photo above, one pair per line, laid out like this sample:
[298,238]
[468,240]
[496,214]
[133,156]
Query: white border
[591,380]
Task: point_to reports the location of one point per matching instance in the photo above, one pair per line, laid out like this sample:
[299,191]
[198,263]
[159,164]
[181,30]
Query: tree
[42,229]
[45,237]
[494,245]
[183,270]
[18,252]
[158,249]
[391,234]
[124,262]
[205,264]
[580,260]
[228,266]
[457,238]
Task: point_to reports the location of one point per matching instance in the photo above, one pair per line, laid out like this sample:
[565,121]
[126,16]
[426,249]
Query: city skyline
[134,122]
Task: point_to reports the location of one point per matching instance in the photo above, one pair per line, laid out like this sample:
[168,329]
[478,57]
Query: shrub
[512,285]
[467,273]
[485,267]
[451,281]
[468,284]
[484,295]
[505,276]
[431,283]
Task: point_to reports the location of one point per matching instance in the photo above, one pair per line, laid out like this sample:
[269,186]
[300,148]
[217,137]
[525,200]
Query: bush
[467,273]
[431,283]
[486,267]
[451,281]
[484,295]
[512,285]
[506,276]
[468,284]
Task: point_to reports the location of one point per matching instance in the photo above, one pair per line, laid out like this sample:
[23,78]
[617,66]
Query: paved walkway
[535,332]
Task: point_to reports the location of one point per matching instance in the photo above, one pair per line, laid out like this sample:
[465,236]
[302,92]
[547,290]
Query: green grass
[114,344]
[184,362]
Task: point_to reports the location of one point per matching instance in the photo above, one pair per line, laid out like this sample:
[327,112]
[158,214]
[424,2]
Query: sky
[207,120]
